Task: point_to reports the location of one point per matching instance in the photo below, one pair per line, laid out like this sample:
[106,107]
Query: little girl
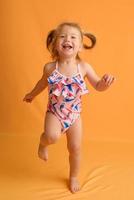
[65,79]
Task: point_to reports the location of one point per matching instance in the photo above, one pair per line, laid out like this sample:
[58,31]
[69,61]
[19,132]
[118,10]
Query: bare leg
[74,134]
[43,150]
[52,132]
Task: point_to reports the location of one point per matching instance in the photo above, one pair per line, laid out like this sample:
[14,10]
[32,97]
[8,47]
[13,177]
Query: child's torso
[64,90]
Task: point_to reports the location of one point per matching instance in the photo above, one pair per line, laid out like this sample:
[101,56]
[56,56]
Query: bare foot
[74,184]
[43,152]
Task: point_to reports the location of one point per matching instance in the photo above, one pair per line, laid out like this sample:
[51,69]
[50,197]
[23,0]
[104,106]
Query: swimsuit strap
[78,68]
[57,65]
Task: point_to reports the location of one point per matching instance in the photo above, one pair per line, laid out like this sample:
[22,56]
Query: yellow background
[108,135]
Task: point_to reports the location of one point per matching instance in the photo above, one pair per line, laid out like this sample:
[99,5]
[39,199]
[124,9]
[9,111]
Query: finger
[106,80]
[114,79]
[105,76]
[110,80]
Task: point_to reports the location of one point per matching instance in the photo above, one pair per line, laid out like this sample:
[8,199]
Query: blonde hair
[52,36]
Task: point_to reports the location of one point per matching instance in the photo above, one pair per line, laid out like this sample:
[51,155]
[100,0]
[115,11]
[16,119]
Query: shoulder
[49,67]
[84,67]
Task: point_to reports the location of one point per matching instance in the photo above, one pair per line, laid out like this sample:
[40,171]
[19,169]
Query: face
[68,42]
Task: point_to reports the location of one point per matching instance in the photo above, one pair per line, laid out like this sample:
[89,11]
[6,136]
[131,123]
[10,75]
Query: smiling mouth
[67,46]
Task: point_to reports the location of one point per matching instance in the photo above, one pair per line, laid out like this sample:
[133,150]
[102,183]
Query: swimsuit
[65,96]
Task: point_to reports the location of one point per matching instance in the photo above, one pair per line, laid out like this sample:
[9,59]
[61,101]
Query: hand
[28,98]
[106,81]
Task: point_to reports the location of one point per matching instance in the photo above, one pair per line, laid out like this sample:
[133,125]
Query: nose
[67,38]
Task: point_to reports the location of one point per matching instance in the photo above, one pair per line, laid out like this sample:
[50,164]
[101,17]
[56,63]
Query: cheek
[78,45]
[57,45]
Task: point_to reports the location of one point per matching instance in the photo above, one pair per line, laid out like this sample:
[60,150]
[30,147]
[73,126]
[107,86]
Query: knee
[51,139]
[74,149]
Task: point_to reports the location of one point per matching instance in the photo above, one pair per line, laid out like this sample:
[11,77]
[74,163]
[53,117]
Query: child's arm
[100,84]
[39,87]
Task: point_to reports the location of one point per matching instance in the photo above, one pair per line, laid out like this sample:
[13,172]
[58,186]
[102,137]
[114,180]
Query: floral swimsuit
[65,96]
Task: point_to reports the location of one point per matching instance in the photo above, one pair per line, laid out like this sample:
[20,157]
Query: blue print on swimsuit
[61,106]
[78,81]
[76,107]
[65,97]
[53,79]
[68,100]
[66,125]
[50,81]
[70,87]
[68,93]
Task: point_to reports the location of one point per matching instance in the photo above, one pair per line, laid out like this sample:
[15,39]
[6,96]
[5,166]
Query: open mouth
[67,46]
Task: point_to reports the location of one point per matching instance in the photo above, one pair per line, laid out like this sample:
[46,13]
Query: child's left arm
[100,84]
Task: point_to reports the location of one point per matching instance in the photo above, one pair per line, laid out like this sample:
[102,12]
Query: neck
[67,61]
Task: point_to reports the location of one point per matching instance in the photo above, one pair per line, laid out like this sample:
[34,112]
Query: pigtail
[50,39]
[92,38]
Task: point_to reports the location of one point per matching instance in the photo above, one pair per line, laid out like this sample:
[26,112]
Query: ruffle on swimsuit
[62,85]
[65,96]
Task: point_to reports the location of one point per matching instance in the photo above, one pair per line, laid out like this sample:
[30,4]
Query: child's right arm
[39,87]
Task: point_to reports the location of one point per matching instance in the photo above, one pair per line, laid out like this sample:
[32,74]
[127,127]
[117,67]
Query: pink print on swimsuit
[65,97]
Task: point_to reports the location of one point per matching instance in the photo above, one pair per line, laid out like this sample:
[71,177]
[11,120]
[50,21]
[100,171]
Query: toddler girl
[64,77]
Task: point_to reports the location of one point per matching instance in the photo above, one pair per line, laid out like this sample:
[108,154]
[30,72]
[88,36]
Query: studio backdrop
[107,161]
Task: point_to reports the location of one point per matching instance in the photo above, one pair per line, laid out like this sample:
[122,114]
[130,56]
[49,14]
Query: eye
[62,36]
[73,37]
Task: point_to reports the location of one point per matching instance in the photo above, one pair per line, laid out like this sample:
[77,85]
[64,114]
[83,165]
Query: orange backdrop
[107,116]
